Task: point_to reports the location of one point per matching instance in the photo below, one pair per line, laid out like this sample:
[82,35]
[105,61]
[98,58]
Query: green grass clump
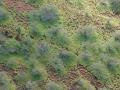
[100,71]
[35,32]
[117,47]
[6,83]
[110,49]
[13,63]
[34,1]
[86,34]
[1,2]
[113,45]
[68,58]
[58,65]
[111,63]
[109,26]
[54,86]
[3,15]
[57,36]
[103,5]
[115,6]
[113,66]
[2,38]
[39,73]
[32,85]
[85,58]
[22,78]
[116,42]
[78,3]
[47,14]
[42,49]
[113,48]
[117,37]
[12,46]
[26,47]
[104,88]
[82,84]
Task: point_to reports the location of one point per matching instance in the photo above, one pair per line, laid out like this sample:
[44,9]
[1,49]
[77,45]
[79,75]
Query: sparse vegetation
[100,71]
[42,49]
[85,58]
[3,38]
[59,44]
[12,45]
[117,37]
[113,66]
[68,58]
[34,1]
[30,85]
[87,34]
[6,83]
[22,78]
[35,32]
[109,26]
[82,84]
[26,47]
[56,36]
[111,63]
[48,13]
[3,15]
[58,65]
[54,86]
[13,63]
[39,73]
[115,6]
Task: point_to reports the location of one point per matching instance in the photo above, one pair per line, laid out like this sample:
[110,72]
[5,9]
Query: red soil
[72,75]
[86,74]
[9,71]
[18,5]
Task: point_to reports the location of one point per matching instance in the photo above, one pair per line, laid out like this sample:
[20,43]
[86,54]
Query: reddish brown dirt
[22,21]
[86,74]
[73,75]
[67,80]
[10,72]
[18,5]
[110,14]
[8,30]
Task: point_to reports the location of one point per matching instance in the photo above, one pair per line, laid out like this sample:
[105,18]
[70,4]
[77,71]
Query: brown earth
[72,75]
[18,5]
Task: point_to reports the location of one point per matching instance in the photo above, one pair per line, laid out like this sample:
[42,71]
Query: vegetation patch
[59,44]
